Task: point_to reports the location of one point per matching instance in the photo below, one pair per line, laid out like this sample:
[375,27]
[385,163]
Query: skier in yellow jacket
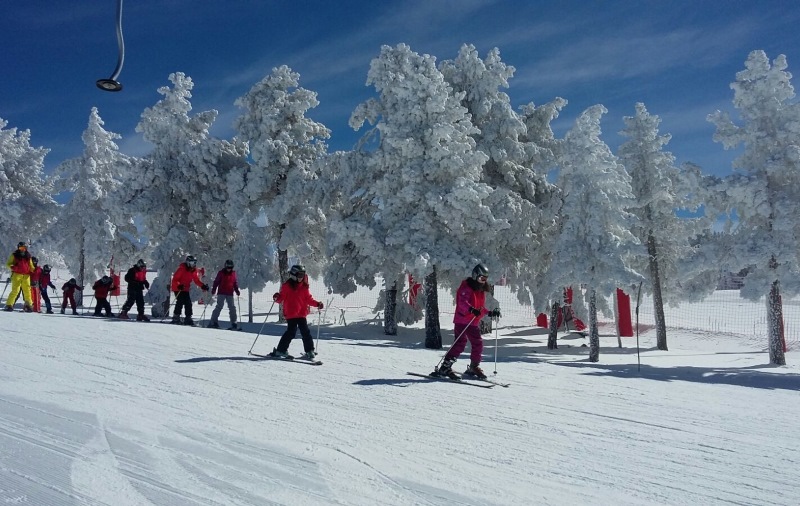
[21,267]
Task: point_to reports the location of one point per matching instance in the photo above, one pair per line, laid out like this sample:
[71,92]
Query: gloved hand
[320,305]
[238,293]
[180,287]
[146,284]
[495,313]
[213,292]
[205,287]
[275,297]
[475,311]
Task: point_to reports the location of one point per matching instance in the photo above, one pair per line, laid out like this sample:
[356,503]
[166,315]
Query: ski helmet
[297,273]
[140,264]
[105,280]
[229,264]
[480,271]
[46,268]
[35,261]
[191,261]
[72,281]
[22,244]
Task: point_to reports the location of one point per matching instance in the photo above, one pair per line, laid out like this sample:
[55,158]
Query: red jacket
[225,283]
[44,280]
[20,262]
[468,297]
[183,277]
[101,290]
[295,300]
[36,275]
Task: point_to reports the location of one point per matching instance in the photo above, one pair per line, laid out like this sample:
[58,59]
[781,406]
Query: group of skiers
[294,295]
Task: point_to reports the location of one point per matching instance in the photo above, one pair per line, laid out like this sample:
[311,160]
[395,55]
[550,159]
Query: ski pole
[638,299]
[239,306]
[6,287]
[496,331]
[262,328]
[90,305]
[319,322]
[205,306]
[454,342]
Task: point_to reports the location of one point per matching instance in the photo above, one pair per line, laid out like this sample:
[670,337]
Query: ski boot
[176,319]
[27,308]
[213,325]
[234,327]
[276,353]
[309,355]
[142,318]
[474,371]
[49,311]
[446,369]
[188,321]
[123,315]
[74,311]
[63,311]
[8,308]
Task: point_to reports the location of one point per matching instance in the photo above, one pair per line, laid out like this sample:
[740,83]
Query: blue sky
[678,57]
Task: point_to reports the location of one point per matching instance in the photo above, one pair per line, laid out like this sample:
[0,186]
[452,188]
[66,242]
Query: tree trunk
[552,334]
[389,311]
[775,325]
[594,335]
[79,296]
[283,271]
[249,306]
[658,302]
[433,333]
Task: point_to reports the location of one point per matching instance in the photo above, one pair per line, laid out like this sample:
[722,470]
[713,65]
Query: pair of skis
[296,360]
[475,382]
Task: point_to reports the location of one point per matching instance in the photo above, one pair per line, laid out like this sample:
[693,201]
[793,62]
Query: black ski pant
[134,295]
[46,299]
[182,299]
[291,330]
[102,303]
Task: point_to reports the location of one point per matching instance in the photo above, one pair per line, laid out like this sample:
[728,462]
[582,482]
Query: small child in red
[102,287]
[69,295]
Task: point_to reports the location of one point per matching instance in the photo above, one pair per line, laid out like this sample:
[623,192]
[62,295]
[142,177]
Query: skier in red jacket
[225,284]
[45,283]
[295,297]
[101,288]
[182,280]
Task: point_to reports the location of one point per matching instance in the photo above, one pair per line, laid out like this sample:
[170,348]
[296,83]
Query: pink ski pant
[471,334]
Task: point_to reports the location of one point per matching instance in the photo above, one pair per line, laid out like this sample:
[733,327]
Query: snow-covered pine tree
[26,196]
[764,194]
[429,213]
[180,188]
[516,166]
[653,181]
[285,146]
[595,243]
[90,228]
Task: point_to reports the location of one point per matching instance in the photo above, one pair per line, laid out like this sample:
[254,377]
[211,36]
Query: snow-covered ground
[96,411]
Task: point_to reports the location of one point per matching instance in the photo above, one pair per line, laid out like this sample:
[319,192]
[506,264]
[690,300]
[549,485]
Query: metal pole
[638,299]
[496,331]
[319,322]
[250,352]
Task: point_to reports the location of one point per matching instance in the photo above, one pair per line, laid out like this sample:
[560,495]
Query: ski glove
[205,287]
[275,297]
[146,284]
[180,287]
[495,313]
[475,311]
[237,293]
[320,305]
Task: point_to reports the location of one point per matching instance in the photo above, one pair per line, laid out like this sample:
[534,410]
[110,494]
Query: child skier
[136,277]
[44,284]
[21,268]
[295,297]
[182,280]
[69,295]
[102,287]
[470,300]
[36,277]
[225,284]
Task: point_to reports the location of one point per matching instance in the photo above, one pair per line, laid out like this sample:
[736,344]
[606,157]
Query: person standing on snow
[44,283]
[295,297]
[21,267]
[136,277]
[225,284]
[69,295]
[36,277]
[470,301]
[182,280]
[102,287]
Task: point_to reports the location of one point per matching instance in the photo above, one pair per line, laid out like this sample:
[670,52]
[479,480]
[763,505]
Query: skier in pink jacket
[470,301]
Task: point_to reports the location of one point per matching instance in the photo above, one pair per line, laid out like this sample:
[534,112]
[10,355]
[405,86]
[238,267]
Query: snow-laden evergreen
[180,187]
[426,210]
[667,237]
[765,194]
[91,228]
[26,196]
[284,146]
[595,243]
[515,169]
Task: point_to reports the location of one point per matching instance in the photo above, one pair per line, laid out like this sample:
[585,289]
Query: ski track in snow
[126,414]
